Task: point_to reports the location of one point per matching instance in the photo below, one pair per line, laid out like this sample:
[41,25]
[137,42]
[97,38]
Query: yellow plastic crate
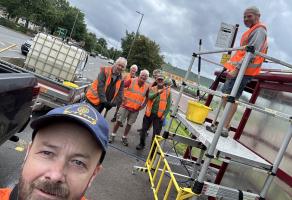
[197,112]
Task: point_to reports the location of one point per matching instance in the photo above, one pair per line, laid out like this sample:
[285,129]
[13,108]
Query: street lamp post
[74,24]
[142,15]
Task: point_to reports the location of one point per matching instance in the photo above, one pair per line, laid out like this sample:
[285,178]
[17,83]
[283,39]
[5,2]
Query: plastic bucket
[197,112]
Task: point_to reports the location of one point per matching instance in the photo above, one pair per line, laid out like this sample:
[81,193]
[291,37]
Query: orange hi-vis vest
[162,103]
[254,67]
[5,194]
[127,77]
[134,95]
[92,92]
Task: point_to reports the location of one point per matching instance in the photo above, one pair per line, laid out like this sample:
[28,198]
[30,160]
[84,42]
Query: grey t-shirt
[108,95]
[256,39]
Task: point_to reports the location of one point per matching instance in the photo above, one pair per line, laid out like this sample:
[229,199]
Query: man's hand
[159,91]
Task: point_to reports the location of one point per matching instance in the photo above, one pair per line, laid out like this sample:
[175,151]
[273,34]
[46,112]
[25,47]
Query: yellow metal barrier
[153,165]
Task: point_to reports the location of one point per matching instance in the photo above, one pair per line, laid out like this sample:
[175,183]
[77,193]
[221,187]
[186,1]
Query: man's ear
[95,172]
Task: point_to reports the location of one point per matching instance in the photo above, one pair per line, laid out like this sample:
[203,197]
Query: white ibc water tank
[52,58]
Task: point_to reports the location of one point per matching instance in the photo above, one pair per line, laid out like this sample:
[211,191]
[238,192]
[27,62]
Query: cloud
[177,26]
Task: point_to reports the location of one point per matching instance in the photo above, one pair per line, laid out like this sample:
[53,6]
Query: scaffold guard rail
[264,110]
[213,146]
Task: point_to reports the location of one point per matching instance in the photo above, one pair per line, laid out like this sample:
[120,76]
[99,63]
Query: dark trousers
[157,127]
[100,107]
[117,110]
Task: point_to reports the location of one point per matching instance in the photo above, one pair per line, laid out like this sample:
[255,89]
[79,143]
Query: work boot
[211,128]
[224,132]
[140,146]
[112,138]
[125,141]
[114,119]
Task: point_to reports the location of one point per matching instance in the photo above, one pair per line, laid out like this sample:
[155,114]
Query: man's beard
[59,190]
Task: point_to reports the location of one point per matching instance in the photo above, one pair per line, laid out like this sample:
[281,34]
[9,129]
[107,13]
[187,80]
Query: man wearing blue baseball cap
[68,146]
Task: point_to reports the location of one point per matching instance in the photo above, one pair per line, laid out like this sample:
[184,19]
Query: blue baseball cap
[81,113]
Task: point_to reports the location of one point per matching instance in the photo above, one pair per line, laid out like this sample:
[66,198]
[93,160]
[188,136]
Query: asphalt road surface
[9,37]
[116,180]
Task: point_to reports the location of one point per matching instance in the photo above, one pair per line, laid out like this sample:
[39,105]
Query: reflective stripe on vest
[92,92]
[162,103]
[134,95]
[254,66]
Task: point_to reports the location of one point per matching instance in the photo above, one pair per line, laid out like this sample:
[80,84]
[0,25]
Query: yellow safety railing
[153,167]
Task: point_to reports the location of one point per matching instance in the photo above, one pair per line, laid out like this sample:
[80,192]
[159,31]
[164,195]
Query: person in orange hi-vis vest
[135,99]
[155,73]
[128,76]
[158,106]
[68,147]
[107,90]
[255,36]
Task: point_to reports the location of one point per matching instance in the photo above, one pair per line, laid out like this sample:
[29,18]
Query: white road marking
[15,50]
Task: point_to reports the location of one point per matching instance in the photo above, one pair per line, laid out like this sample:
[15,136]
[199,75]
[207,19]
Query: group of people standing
[130,94]
[69,143]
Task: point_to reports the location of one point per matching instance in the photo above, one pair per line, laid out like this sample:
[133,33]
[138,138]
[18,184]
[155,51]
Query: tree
[46,14]
[114,53]
[49,14]
[30,10]
[67,20]
[90,42]
[79,32]
[145,52]
[101,46]
[102,42]
[12,7]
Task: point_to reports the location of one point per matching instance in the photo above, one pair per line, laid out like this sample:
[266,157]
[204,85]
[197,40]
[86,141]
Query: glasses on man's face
[160,79]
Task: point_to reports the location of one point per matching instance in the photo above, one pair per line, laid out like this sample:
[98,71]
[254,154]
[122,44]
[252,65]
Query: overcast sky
[177,25]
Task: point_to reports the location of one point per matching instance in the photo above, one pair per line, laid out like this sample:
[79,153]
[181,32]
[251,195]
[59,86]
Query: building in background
[178,75]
